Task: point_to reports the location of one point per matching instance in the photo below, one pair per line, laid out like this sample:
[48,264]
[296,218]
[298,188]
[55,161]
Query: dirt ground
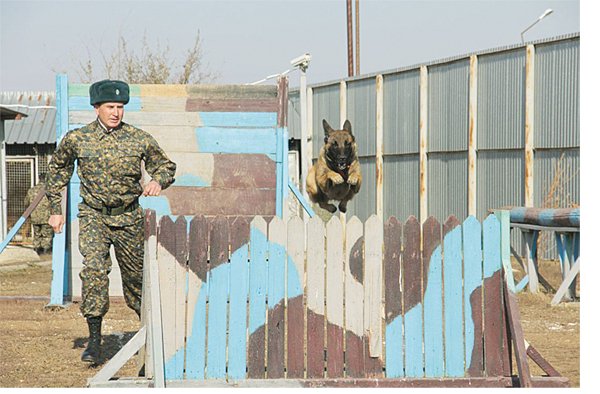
[40,347]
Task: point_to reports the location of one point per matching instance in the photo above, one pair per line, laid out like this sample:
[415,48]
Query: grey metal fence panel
[326,105]
[448,107]
[557,178]
[364,204]
[500,177]
[501,100]
[401,179]
[401,111]
[362,113]
[556,111]
[447,185]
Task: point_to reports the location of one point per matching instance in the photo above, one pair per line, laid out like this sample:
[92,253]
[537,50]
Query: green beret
[109,91]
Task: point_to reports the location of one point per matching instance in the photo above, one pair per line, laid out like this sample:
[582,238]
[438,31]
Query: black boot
[92,352]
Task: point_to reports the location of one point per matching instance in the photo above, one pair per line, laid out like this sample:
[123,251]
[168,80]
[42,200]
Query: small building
[29,140]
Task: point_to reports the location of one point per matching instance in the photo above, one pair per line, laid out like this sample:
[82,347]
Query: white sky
[249,40]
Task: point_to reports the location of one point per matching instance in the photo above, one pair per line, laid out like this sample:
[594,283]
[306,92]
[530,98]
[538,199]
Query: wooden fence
[244,299]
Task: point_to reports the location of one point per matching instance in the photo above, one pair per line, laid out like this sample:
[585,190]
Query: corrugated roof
[40,124]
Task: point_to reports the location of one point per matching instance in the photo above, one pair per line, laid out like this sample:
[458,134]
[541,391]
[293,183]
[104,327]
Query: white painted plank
[373,284]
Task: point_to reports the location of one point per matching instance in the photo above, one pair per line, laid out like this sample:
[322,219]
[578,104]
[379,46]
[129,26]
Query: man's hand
[152,189]
[56,222]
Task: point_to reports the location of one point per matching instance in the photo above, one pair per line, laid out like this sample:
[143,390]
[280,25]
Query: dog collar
[344,172]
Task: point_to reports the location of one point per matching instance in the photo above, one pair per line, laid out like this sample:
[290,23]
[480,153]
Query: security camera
[301,61]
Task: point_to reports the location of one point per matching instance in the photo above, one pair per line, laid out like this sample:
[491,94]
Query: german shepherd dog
[336,175]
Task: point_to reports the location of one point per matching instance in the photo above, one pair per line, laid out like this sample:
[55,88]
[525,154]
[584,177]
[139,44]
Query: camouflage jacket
[108,164]
[41,213]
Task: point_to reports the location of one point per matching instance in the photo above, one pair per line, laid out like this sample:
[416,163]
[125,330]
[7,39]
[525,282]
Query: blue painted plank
[258,278]
[453,302]
[239,119]
[59,286]
[218,291]
[195,360]
[276,274]
[82,103]
[433,309]
[301,198]
[238,298]
[413,327]
[491,246]
[473,281]
[12,232]
[217,321]
[222,140]
[394,363]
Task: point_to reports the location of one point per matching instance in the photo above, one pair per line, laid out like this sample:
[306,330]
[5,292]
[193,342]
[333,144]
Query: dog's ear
[347,126]
[327,128]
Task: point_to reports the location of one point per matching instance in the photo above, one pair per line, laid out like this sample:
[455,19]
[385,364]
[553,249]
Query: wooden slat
[218,290]
[510,298]
[257,298]
[295,291]
[472,256]
[453,298]
[232,105]
[432,298]
[413,319]
[373,292]
[493,306]
[276,299]
[197,292]
[168,285]
[238,299]
[355,357]
[315,298]
[335,298]
[181,274]
[394,348]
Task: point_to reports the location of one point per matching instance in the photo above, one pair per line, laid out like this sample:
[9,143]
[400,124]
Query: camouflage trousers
[96,235]
[42,236]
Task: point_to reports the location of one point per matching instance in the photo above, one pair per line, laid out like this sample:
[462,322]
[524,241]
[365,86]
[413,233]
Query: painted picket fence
[245,299]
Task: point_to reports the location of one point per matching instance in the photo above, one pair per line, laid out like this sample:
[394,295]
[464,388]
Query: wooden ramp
[239,303]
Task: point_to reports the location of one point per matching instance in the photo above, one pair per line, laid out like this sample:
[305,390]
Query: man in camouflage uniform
[42,232]
[109,153]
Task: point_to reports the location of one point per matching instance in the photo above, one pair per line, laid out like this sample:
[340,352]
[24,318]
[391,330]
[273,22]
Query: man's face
[110,114]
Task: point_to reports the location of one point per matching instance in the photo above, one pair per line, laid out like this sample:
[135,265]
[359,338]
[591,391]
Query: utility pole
[350,38]
[357,40]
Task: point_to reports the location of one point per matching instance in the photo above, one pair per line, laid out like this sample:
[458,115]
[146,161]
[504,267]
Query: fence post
[472,171]
[379,149]
[59,243]
[423,145]
[529,124]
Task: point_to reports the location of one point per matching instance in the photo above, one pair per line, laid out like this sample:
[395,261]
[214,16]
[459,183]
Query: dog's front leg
[335,178]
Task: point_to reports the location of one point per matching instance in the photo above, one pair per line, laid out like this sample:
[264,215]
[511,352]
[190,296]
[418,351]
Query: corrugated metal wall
[499,131]
[326,105]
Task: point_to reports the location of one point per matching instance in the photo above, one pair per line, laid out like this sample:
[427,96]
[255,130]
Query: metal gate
[20,177]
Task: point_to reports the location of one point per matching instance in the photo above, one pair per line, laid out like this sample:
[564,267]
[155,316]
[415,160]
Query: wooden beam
[502,381]
[529,124]
[472,155]
[423,145]
[379,148]
[119,359]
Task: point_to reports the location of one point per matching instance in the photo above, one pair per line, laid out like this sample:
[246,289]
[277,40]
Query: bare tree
[146,65]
